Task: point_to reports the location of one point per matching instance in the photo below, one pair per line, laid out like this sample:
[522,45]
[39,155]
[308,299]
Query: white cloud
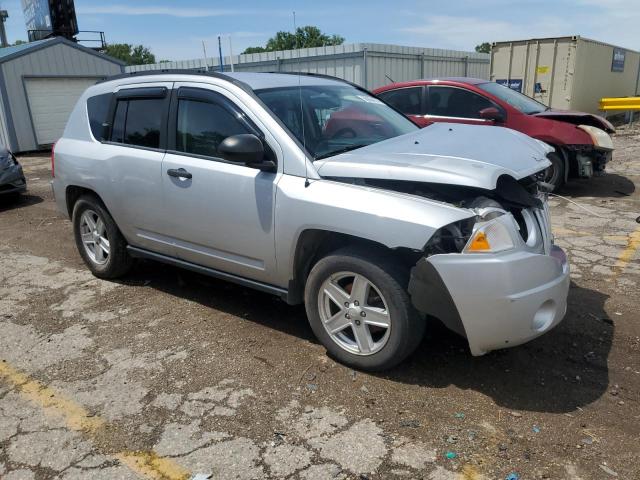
[465,32]
[610,21]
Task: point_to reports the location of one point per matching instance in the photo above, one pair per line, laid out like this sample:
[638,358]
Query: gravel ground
[168,374]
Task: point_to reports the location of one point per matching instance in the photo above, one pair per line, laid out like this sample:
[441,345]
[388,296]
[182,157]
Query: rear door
[445,103]
[220,214]
[409,101]
[134,149]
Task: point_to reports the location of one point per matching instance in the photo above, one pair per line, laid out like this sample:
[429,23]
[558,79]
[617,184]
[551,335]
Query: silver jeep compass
[311,188]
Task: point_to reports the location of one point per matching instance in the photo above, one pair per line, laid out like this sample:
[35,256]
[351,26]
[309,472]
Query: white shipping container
[571,73]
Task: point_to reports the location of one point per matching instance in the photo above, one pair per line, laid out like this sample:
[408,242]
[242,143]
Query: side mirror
[245,148]
[491,113]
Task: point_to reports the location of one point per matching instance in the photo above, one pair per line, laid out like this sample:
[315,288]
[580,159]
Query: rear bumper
[494,300]
[59,196]
[12,180]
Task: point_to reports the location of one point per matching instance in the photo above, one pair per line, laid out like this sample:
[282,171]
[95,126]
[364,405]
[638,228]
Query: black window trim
[426,104]
[139,93]
[142,92]
[209,96]
[423,99]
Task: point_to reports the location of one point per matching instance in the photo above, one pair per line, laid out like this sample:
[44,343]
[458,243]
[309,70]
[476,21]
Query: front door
[219,214]
[456,105]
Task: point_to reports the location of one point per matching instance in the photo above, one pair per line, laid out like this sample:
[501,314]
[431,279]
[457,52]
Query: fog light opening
[544,316]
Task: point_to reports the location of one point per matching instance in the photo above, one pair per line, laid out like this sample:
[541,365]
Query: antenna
[304,138]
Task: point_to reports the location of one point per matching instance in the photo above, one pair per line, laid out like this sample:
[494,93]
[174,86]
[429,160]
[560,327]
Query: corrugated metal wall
[383,63]
[5,139]
[58,60]
[571,73]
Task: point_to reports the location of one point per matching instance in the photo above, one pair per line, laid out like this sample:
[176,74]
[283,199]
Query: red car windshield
[337,118]
[517,100]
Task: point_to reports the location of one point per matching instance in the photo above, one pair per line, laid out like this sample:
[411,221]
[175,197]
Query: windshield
[337,118]
[516,99]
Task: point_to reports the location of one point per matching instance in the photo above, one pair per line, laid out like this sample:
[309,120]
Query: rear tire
[554,175]
[339,279]
[99,241]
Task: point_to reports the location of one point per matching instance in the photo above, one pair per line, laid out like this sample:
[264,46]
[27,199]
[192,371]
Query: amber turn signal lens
[479,243]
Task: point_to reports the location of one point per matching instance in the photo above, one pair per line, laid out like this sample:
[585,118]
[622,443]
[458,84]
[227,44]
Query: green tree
[254,50]
[18,42]
[303,37]
[484,47]
[131,55]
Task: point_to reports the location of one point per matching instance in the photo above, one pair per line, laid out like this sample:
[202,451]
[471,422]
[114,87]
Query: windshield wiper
[341,150]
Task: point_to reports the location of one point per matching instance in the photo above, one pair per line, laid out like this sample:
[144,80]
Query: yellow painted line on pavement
[627,254]
[147,464]
[151,465]
[469,472]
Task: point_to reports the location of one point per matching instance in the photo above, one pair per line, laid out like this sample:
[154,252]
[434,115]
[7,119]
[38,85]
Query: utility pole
[3,33]
[231,54]
[220,53]
[206,60]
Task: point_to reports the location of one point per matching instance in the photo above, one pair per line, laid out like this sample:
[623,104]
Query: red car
[582,142]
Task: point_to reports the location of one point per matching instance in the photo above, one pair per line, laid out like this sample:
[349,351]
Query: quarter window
[138,122]
[455,102]
[202,126]
[98,110]
[407,100]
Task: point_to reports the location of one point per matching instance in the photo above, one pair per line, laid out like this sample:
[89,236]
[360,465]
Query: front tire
[554,175]
[359,308]
[99,241]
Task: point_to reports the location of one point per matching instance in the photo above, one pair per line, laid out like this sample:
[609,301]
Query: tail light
[53,161]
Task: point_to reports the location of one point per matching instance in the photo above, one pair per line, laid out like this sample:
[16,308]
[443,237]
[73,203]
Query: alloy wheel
[354,313]
[93,233]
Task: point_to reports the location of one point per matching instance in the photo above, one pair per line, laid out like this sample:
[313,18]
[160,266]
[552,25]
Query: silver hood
[448,153]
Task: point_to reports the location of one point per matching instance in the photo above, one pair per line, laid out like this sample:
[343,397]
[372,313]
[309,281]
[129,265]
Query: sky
[175,30]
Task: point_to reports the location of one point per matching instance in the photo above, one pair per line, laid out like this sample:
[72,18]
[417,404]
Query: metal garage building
[370,65]
[39,85]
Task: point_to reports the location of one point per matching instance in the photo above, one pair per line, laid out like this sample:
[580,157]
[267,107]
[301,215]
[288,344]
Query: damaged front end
[12,178]
[495,278]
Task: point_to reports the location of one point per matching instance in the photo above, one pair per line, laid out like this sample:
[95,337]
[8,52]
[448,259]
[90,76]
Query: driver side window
[202,126]
[455,102]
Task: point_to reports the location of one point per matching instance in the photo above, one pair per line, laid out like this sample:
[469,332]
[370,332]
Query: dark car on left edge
[12,180]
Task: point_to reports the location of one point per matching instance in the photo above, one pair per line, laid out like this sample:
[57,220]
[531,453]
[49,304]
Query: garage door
[51,101]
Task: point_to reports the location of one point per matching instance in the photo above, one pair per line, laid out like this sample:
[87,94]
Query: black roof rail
[323,75]
[165,71]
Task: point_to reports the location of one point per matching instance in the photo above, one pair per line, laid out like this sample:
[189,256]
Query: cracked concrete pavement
[167,374]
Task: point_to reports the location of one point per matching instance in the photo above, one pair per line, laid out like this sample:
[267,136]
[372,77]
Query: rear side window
[138,121]
[203,125]
[98,110]
[407,100]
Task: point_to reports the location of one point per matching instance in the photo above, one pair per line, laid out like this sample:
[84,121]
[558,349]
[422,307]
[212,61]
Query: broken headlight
[599,137]
[494,235]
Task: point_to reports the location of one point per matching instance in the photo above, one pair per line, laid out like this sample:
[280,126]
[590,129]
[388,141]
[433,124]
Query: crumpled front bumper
[12,179]
[494,300]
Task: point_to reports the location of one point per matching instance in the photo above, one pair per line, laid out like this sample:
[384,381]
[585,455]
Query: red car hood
[577,118]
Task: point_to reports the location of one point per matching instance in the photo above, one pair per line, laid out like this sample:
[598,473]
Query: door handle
[178,173]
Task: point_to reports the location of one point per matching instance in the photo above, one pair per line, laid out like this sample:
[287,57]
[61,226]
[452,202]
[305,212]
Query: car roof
[432,81]
[248,80]
[258,81]
[469,80]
